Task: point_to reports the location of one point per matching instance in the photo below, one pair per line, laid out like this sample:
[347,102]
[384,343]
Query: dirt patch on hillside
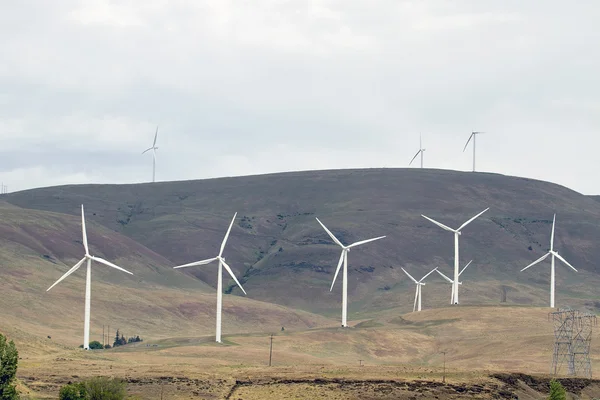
[364,389]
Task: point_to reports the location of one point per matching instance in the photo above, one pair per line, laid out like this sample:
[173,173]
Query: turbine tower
[153,148]
[421,152]
[474,137]
[452,282]
[222,264]
[419,285]
[554,254]
[344,260]
[457,233]
[88,280]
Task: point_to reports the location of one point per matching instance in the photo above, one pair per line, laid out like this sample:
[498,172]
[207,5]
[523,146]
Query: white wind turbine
[153,148]
[474,137]
[419,285]
[222,264]
[421,152]
[452,282]
[553,253]
[457,233]
[344,259]
[88,280]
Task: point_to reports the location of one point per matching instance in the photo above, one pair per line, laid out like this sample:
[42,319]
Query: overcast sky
[246,87]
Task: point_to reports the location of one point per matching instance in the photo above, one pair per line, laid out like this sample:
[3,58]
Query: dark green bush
[73,391]
[9,358]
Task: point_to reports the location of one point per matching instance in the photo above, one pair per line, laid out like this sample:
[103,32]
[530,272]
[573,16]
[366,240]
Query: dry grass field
[401,358]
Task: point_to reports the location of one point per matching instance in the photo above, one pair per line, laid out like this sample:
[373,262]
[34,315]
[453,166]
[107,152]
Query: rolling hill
[285,258]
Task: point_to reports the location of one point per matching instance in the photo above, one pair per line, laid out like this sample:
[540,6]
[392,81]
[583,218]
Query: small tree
[9,357]
[73,391]
[557,391]
[103,388]
[96,345]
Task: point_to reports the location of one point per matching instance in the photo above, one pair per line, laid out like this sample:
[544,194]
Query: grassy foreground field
[401,356]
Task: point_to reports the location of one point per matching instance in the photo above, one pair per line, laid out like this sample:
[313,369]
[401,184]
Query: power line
[271,351]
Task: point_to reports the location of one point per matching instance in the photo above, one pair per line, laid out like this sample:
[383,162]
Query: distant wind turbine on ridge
[452,282]
[553,253]
[344,260]
[419,285]
[153,148]
[457,233]
[421,152]
[474,137]
[88,281]
[222,264]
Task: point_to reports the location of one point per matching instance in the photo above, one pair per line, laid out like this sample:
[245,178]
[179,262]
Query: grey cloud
[243,88]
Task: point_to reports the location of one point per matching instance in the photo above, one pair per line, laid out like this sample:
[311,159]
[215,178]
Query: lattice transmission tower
[572,340]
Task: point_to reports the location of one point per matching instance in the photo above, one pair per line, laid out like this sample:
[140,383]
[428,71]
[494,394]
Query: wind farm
[283,260]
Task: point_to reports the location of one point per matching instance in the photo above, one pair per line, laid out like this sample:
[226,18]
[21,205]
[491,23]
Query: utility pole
[444,375]
[103,336]
[271,351]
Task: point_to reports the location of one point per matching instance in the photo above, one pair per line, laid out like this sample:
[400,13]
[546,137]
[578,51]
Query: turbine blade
[365,241]
[430,272]
[463,270]
[438,224]
[413,159]
[84,233]
[468,142]
[103,261]
[337,270]
[330,234]
[472,219]
[155,137]
[145,151]
[409,275]
[233,276]
[565,261]
[539,260]
[197,263]
[552,237]
[416,297]
[227,235]
[444,276]
[69,272]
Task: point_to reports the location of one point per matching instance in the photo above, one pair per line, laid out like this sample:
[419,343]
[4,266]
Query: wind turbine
[88,280]
[421,151]
[452,282]
[344,259]
[153,148]
[553,254]
[419,284]
[474,136]
[457,233]
[222,264]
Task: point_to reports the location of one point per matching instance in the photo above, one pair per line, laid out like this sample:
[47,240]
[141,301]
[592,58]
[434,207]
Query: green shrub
[96,345]
[557,391]
[9,358]
[99,388]
[103,388]
[73,391]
